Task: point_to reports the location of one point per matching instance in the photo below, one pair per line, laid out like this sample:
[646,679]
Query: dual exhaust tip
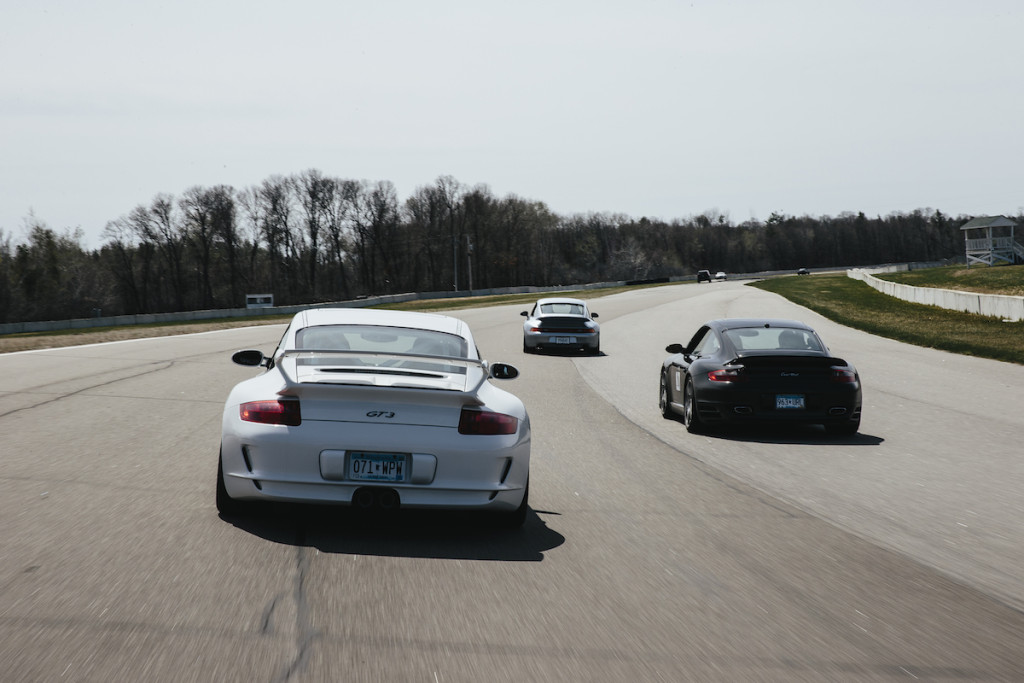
[375,498]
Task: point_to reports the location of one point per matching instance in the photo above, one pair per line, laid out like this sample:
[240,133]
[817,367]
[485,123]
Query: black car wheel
[664,402]
[691,417]
[844,428]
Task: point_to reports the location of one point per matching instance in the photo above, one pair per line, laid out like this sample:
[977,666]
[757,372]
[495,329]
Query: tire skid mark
[305,634]
[148,370]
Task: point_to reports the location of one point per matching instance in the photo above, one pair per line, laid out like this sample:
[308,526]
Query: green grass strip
[854,304]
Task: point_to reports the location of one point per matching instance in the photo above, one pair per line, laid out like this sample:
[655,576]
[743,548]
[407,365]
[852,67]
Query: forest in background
[309,238]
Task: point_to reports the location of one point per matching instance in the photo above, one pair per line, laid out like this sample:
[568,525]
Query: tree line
[311,238]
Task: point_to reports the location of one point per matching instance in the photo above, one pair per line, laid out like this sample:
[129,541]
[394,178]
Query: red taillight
[843,374]
[272,412]
[727,375]
[482,422]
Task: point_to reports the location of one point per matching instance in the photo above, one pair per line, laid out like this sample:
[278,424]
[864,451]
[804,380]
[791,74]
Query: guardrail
[1010,308]
[192,316]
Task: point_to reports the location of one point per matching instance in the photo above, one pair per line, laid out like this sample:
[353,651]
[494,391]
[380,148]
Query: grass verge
[855,304]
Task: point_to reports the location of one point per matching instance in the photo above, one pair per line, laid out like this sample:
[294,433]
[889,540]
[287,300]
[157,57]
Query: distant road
[650,554]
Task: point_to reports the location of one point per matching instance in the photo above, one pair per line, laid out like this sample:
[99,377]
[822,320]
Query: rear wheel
[844,428]
[516,518]
[664,402]
[691,416]
[226,505]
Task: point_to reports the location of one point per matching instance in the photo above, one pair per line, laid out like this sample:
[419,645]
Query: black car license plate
[789,402]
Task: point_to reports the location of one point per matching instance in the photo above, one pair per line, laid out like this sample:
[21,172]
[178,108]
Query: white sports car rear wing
[381,369]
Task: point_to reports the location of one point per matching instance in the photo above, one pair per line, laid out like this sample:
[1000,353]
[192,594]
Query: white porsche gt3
[378,410]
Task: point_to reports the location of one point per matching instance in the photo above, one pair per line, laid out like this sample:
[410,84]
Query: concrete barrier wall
[994,305]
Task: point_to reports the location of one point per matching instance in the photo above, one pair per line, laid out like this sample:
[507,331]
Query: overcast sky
[654,108]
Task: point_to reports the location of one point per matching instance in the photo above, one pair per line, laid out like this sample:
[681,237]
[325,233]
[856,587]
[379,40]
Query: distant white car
[378,410]
[720,275]
[561,323]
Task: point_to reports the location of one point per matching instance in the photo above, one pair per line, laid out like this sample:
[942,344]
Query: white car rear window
[380,339]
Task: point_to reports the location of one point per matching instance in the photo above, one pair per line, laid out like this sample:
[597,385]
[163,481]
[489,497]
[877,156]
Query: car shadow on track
[566,353]
[792,434]
[405,533]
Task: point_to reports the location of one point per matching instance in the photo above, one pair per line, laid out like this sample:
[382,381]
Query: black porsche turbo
[750,370]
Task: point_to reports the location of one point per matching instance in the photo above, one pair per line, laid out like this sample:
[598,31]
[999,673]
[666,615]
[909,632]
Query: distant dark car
[703,276]
[736,371]
[802,271]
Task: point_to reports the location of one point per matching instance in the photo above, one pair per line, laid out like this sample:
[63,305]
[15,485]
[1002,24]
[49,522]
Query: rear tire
[226,505]
[516,518]
[691,416]
[844,429]
[664,403]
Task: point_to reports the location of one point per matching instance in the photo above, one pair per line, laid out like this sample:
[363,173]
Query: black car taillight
[272,412]
[483,422]
[728,374]
[843,374]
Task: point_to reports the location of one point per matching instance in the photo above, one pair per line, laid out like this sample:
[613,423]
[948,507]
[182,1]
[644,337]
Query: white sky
[651,108]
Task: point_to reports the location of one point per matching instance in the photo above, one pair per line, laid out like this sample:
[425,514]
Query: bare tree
[376,232]
[251,235]
[128,260]
[156,225]
[276,202]
[316,199]
[429,213]
[9,309]
[451,192]
[222,199]
[199,226]
[630,262]
[339,228]
[170,239]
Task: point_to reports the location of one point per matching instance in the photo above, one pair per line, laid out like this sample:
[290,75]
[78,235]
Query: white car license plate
[564,340]
[377,466]
[789,402]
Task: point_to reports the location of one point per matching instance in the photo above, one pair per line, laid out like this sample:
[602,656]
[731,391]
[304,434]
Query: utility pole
[469,261]
[455,264]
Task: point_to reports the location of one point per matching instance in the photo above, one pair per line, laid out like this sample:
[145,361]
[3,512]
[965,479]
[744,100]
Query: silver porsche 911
[563,324]
[378,410]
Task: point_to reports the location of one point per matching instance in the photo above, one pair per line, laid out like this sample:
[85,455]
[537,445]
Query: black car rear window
[773,339]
